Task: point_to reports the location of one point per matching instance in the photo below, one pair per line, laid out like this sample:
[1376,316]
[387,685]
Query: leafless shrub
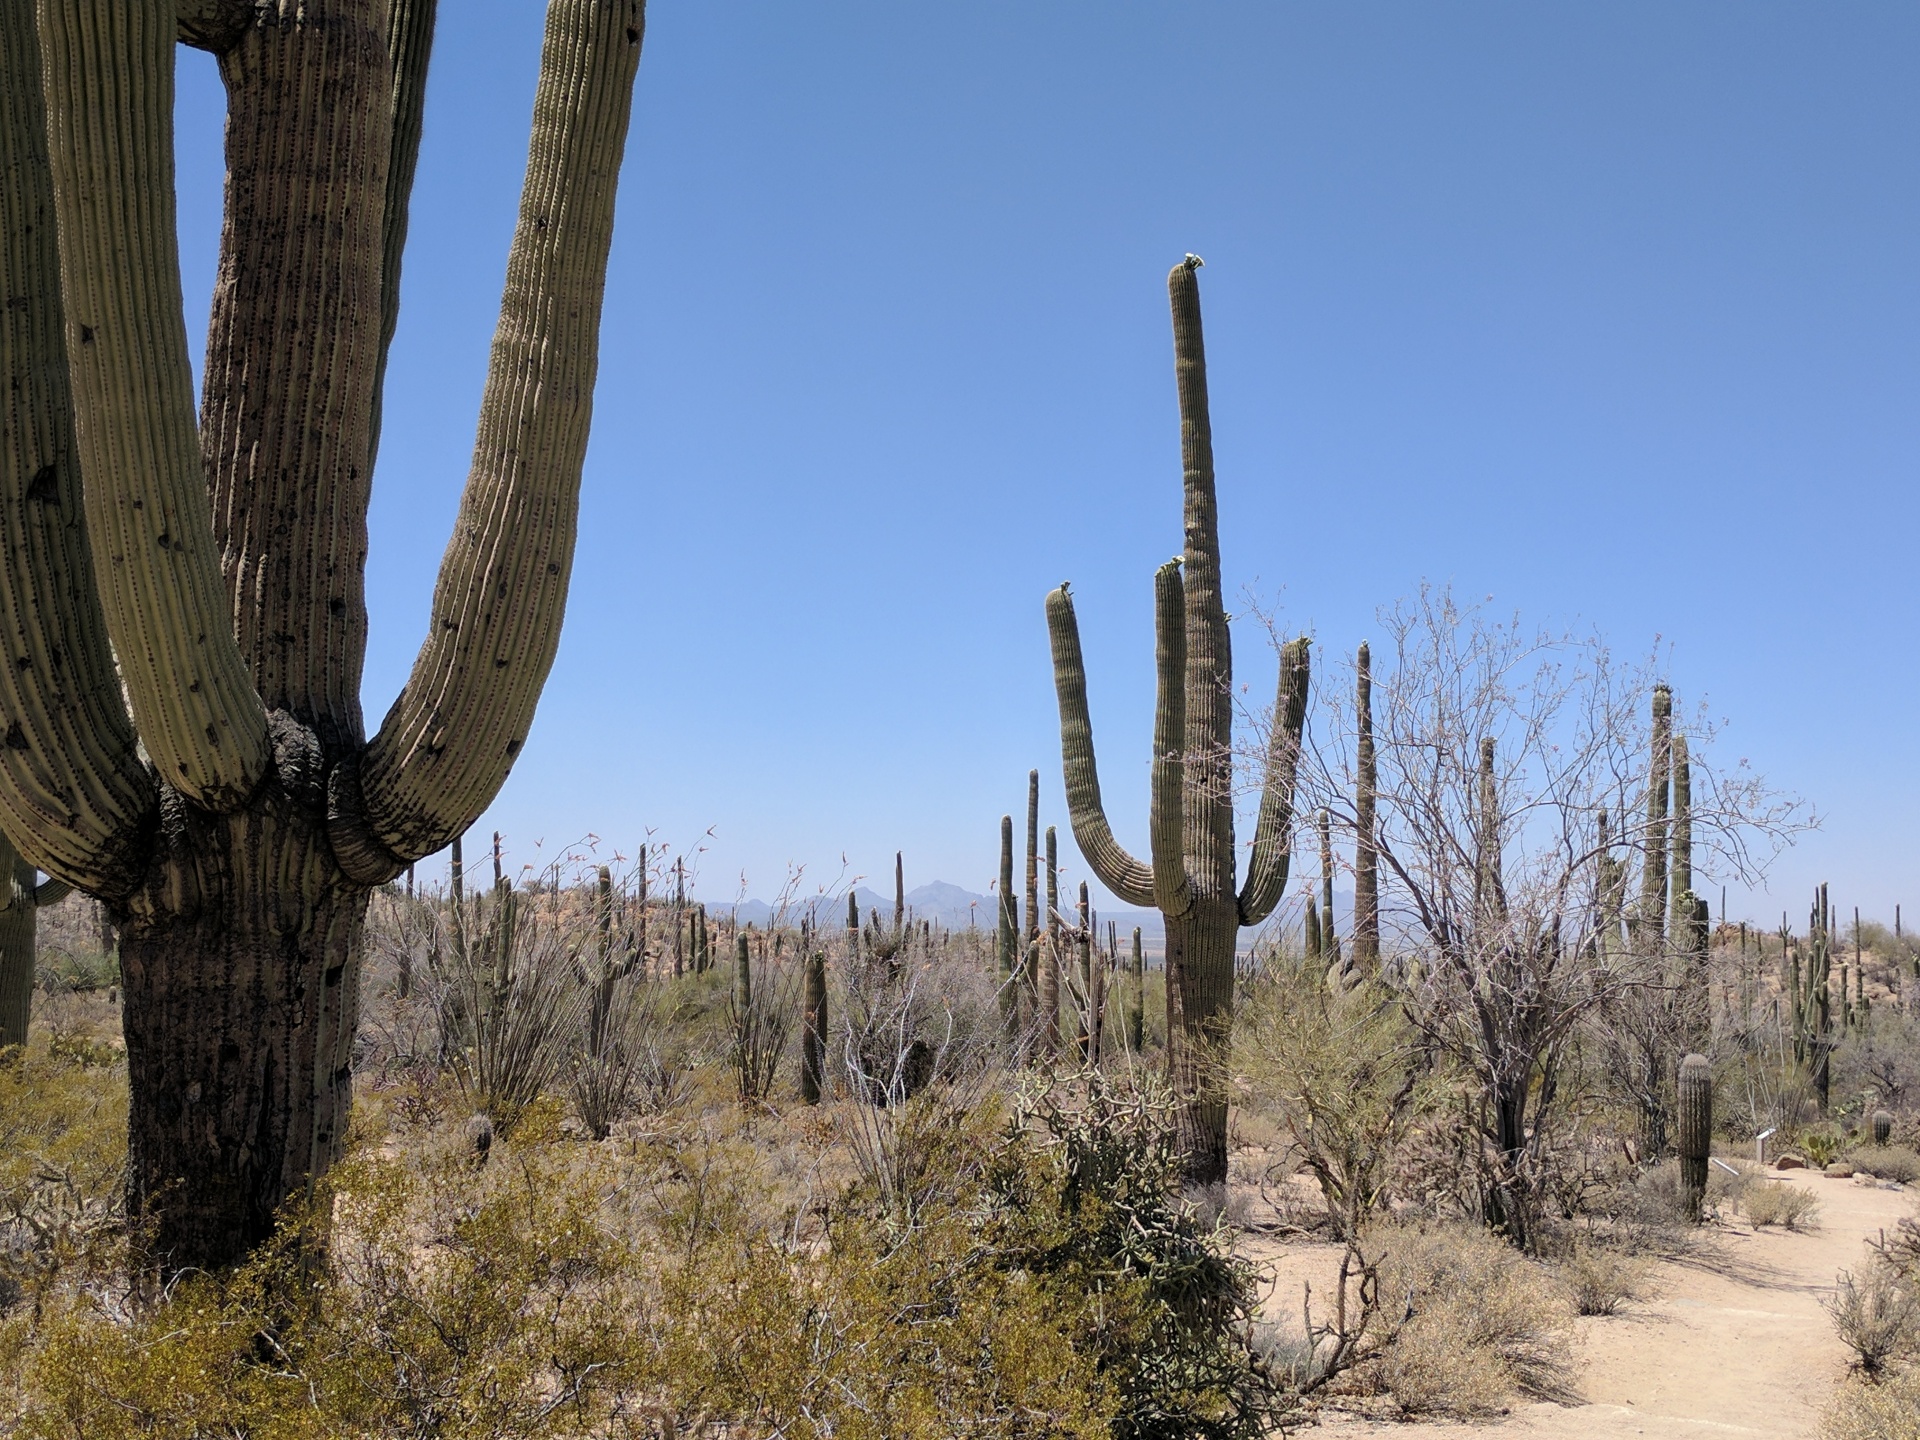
[1887,1162]
[1601,1278]
[1874,1315]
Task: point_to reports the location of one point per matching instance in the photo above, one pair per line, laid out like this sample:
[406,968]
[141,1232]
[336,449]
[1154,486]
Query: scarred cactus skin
[1696,1130]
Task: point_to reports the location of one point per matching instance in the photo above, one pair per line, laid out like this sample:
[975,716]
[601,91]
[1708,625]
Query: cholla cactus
[1696,1130]
[1190,877]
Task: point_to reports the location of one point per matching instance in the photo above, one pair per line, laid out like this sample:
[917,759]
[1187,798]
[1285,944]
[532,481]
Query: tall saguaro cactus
[1190,876]
[1696,1130]
[231,810]
[1366,860]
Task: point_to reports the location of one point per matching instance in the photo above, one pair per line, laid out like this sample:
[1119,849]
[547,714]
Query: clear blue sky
[1609,312]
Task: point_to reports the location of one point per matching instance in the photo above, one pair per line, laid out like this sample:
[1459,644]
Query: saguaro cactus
[1047,1031]
[1137,1001]
[1366,860]
[813,1024]
[1030,955]
[1649,926]
[231,809]
[1007,935]
[1329,941]
[1696,1130]
[1690,920]
[1191,875]
[1882,1127]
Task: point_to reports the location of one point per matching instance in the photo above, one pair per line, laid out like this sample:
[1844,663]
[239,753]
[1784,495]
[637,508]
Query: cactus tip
[1193,261]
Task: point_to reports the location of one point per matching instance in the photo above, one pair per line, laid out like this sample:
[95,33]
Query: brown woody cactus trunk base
[240,1014]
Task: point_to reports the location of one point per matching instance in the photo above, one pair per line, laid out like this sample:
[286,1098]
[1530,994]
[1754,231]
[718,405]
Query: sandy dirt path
[1731,1341]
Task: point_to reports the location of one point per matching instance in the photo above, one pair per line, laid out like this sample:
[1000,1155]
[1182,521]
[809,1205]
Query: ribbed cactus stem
[1049,1027]
[1653,863]
[17,931]
[1137,1001]
[1489,885]
[1090,977]
[1007,934]
[1366,862]
[1329,943]
[813,1020]
[1311,942]
[1030,953]
[1696,1130]
[742,976]
[1882,1127]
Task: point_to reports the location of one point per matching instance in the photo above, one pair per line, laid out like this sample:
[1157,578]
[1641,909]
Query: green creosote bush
[1051,1283]
[1468,1321]
[1341,1071]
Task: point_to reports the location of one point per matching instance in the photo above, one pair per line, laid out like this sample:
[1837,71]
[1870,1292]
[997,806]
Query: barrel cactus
[1882,1127]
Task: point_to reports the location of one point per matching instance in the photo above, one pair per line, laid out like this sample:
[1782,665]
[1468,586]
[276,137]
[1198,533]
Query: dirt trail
[1731,1341]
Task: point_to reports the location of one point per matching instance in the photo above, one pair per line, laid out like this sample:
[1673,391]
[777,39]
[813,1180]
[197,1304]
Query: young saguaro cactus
[1882,1127]
[231,808]
[1190,876]
[20,898]
[1366,859]
[813,1023]
[1696,1130]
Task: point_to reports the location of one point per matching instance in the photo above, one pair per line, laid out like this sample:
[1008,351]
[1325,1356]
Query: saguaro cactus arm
[452,735]
[146,498]
[1125,876]
[1273,833]
[73,790]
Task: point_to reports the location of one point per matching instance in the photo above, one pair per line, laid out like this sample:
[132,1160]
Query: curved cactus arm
[409,47]
[451,737]
[73,790]
[51,892]
[1273,833]
[286,418]
[109,82]
[1171,892]
[1125,876]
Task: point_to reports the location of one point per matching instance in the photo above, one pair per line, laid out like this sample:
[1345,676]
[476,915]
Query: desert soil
[1729,1341]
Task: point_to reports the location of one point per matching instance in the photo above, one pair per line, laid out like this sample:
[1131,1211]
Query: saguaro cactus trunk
[1696,1130]
[232,810]
[1366,861]
[1191,875]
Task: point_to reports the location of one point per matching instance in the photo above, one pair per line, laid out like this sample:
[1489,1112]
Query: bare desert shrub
[1470,1321]
[1875,1316]
[1887,1162]
[1782,1203]
[1602,1278]
[1863,1410]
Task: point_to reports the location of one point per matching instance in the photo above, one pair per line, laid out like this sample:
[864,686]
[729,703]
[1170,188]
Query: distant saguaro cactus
[1047,1031]
[813,1022]
[1366,860]
[1191,875]
[1696,1130]
[20,898]
[1137,1001]
[1882,1127]
[1007,934]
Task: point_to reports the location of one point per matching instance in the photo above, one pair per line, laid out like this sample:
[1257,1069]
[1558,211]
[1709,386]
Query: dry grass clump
[1887,1162]
[1863,1410]
[1602,1278]
[1469,1321]
[1782,1203]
